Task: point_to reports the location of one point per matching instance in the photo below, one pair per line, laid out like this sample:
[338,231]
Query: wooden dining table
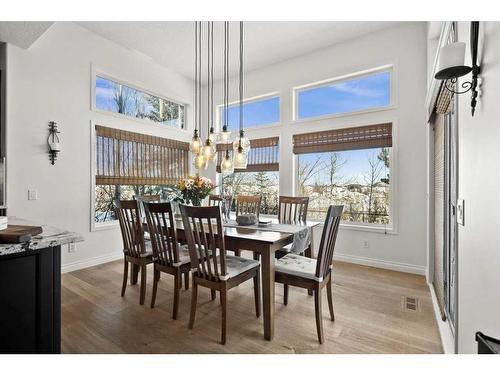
[266,242]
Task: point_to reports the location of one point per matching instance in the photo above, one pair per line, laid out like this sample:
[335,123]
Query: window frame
[275,94]
[391,68]
[391,228]
[93,105]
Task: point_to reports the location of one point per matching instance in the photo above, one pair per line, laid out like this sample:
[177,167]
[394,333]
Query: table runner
[301,233]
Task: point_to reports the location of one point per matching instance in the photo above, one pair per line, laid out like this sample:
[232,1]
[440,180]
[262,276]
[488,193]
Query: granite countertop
[51,236]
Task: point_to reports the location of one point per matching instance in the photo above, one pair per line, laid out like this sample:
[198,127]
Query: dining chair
[146,198]
[248,204]
[210,265]
[293,210]
[135,248]
[315,274]
[168,255]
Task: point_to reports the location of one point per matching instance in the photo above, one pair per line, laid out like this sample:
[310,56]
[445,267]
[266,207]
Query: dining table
[265,241]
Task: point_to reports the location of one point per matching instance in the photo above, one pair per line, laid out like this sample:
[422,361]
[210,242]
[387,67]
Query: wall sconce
[53,142]
[451,66]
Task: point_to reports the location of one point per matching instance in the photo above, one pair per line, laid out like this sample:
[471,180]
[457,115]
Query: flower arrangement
[195,188]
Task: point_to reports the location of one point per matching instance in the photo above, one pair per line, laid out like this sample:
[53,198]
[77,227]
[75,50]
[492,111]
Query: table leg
[267,262]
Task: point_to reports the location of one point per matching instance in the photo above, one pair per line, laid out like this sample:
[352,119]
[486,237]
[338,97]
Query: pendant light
[195,145]
[241,146]
[225,135]
[209,152]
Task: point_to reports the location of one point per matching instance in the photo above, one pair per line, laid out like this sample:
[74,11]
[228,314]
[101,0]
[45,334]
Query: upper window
[365,92]
[255,113]
[115,97]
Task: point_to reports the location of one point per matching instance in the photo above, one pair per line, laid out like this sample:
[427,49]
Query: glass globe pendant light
[241,146]
[227,166]
[209,151]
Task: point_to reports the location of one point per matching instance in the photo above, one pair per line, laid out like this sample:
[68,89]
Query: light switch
[461,212]
[32,194]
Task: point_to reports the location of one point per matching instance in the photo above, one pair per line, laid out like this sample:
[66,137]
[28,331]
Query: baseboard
[445,332]
[74,266]
[394,266]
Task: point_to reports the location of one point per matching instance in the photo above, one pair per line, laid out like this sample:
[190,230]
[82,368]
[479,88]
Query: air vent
[410,304]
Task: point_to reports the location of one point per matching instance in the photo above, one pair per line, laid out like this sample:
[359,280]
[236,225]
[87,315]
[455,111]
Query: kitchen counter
[50,237]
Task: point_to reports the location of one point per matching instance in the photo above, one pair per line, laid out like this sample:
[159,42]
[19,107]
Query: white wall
[479,181]
[52,81]
[404,47]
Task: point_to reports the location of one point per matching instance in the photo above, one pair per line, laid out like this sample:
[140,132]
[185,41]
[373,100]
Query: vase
[195,201]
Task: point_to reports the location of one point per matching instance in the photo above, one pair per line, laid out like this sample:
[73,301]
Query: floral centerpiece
[195,188]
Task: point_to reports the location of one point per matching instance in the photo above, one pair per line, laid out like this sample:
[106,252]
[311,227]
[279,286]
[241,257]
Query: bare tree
[307,171]
[372,177]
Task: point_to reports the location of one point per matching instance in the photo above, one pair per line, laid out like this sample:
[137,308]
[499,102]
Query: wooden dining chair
[248,204]
[293,210]
[211,266]
[146,198]
[134,246]
[315,274]
[168,255]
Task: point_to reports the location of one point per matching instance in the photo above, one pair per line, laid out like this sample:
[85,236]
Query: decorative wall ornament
[53,142]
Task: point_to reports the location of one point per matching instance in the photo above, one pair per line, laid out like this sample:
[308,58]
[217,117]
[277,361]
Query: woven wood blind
[126,158]
[361,137]
[263,155]
[444,103]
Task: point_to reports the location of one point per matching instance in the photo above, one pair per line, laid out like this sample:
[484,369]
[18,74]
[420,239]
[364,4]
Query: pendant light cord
[195,76]
[241,81]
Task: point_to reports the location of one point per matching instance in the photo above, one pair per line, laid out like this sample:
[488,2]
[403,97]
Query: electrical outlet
[366,244]
[72,247]
[32,194]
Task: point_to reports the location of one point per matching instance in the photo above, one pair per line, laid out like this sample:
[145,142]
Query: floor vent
[410,304]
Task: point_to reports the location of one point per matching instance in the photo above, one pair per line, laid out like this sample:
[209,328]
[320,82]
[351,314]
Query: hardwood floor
[368,302]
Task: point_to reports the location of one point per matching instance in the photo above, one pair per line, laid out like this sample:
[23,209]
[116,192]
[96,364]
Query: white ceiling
[172,43]
[22,34]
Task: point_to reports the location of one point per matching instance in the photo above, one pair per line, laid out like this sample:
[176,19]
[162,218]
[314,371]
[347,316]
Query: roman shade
[360,137]
[263,155]
[127,158]
[444,103]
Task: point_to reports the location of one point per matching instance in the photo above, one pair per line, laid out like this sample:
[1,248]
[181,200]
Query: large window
[351,167]
[129,164]
[115,97]
[255,113]
[261,177]
[343,96]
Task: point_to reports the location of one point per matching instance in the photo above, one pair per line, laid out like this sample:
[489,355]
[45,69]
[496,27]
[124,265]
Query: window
[343,96]
[255,113]
[261,177]
[115,97]
[349,167]
[129,164]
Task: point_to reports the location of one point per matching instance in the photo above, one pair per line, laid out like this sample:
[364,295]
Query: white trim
[378,263]
[391,68]
[445,331]
[99,72]
[89,262]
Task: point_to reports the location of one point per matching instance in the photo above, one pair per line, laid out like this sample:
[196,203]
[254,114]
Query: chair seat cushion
[297,265]
[236,265]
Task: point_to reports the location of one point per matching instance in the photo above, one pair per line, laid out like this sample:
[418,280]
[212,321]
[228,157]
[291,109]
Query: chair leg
[125,276]
[223,302]
[156,278]
[134,272]
[308,254]
[186,280]
[285,294]
[256,256]
[177,286]
[256,292]
[318,312]
[194,300]
[330,298]
[212,294]
[143,284]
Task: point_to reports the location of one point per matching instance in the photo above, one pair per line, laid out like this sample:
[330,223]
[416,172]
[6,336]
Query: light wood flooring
[368,303]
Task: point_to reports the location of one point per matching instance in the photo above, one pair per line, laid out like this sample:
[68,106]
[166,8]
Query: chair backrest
[205,238]
[215,200]
[248,204]
[292,209]
[328,238]
[145,198]
[131,227]
[162,231]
